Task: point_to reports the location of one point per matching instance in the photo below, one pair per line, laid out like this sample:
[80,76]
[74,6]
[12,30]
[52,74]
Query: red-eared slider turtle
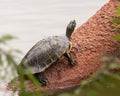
[46,52]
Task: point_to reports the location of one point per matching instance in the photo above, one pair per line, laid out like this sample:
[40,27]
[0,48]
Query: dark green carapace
[46,52]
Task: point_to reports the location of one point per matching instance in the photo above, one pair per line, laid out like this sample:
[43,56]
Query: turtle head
[70,28]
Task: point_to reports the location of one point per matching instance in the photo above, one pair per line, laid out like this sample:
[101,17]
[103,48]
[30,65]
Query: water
[32,20]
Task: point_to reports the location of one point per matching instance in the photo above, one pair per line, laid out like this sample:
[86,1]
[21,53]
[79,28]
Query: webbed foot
[72,61]
[41,78]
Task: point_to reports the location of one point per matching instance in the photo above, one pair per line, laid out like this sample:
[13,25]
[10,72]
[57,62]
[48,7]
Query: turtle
[46,52]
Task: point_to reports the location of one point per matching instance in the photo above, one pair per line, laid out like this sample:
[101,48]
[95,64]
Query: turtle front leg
[41,78]
[72,61]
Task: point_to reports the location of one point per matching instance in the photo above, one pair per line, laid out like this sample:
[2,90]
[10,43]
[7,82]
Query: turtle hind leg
[72,61]
[41,78]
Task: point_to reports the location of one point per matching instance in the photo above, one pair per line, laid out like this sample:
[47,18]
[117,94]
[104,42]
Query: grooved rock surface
[90,42]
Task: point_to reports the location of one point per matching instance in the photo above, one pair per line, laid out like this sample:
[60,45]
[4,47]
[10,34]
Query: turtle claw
[41,78]
[73,62]
[43,81]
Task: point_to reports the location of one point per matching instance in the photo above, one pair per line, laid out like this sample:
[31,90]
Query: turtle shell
[44,53]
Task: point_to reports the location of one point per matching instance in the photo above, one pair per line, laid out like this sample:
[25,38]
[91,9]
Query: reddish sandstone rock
[90,42]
